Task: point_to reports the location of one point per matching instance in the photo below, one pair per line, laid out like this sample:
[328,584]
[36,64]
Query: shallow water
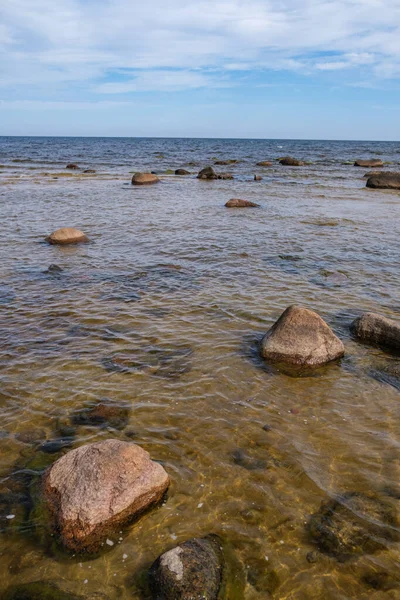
[179,290]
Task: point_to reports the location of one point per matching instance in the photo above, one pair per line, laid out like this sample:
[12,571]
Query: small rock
[37,590]
[93,491]
[237,203]
[382,581]
[72,166]
[257,178]
[103,413]
[230,161]
[376,330]
[224,176]
[301,337]
[89,171]
[67,235]
[264,163]
[190,571]
[53,446]
[288,161]
[182,172]
[369,164]
[144,179]
[31,436]
[207,173]
[54,269]
[385,181]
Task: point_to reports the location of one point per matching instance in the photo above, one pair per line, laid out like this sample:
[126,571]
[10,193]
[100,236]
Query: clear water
[181,290]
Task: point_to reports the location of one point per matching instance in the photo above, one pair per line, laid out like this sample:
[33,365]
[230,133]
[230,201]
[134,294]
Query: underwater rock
[377,330]
[262,576]
[301,337]
[56,445]
[89,171]
[351,525]
[257,178]
[37,590]
[385,181]
[182,172]
[98,488]
[67,235]
[251,463]
[224,176]
[170,363]
[230,161]
[54,269]
[144,179]
[207,173]
[72,166]
[264,163]
[31,436]
[190,571]
[369,164]
[238,203]
[381,580]
[387,372]
[288,161]
[103,414]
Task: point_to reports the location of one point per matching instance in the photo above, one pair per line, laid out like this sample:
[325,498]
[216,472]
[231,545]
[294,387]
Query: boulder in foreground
[67,235]
[144,179]
[288,161]
[301,337]
[369,164]
[385,181]
[191,571]
[376,330]
[93,491]
[238,203]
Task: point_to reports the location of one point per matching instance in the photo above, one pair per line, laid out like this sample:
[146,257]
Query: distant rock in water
[237,203]
[89,171]
[288,161]
[385,181]
[72,166]
[207,173]
[67,235]
[373,173]
[353,524]
[264,163]
[230,161]
[54,269]
[369,164]
[377,330]
[182,172]
[301,337]
[257,178]
[144,179]
[190,571]
[93,491]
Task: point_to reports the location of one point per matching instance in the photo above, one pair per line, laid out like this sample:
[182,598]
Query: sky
[311,69]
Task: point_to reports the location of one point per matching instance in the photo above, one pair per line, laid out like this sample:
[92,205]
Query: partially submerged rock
[182,172]
[369,164]
[54,269]
[67,235]
[301,337]
[37,590]
[264,163]
[89,171]
[103,414]
[377,330]
[72,166]
[144,179]
[257,178]
[190,571]
[288,161]
[93,491]
[385,181]
[229,161]
[207,173]
[238,203]
[353,524]
[224,176]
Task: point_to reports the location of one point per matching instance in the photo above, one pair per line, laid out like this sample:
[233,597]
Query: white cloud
[172,45]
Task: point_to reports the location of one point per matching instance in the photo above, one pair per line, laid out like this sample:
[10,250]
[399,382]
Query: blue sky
[327,69]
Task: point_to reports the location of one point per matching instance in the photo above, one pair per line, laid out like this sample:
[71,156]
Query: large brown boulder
[67,235]
[301,337]
[369,164]
[238,203]
[388,181]
[207,173]
[144,179]
[191,571]
[288,161]
[93,491]
[376,330]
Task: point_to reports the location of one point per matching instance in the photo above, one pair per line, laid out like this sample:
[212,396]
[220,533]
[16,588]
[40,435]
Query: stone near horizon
[377,330]
[369,164]
[93,491]
[288,161]
[67,235]
[384,181]
[301,337]
[264,163]
[238,203]
[144,179]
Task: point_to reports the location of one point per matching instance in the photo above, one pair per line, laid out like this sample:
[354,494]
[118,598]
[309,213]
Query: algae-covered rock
[37,590]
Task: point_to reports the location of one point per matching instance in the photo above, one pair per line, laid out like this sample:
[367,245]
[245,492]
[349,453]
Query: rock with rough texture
[238,203]
[89,171]
[230,161]
[103,414]
[93,491]
[385,181]
[182,172]
[288,161]
[369,164]
[264,163]
[144,179]
[257,178]
[369,174]
[67,235]
[376,330]
[72,166]
[37,590]
[191,571]
[207,173]
[301,337]
[224,176]
[353,524]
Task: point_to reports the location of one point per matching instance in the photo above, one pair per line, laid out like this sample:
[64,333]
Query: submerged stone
[144,179]
[353,524]
[93,491]
[238,203]
[385,181]
[207,173]
[377,330]
[387,372]
[103,414]
[72,166]
[190,571]
[182,172]
[37,590]
[288,161]
[54,269]
[264,163]
[301,337]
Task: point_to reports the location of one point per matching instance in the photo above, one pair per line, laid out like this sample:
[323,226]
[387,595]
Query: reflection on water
[150,333]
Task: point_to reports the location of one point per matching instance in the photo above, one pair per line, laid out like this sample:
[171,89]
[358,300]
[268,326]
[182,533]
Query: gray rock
[385,181]
[182,172]
[238,203]
[376,330]
[301,337]
[288,161]
[190,571]
[207,173]
[37,590]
